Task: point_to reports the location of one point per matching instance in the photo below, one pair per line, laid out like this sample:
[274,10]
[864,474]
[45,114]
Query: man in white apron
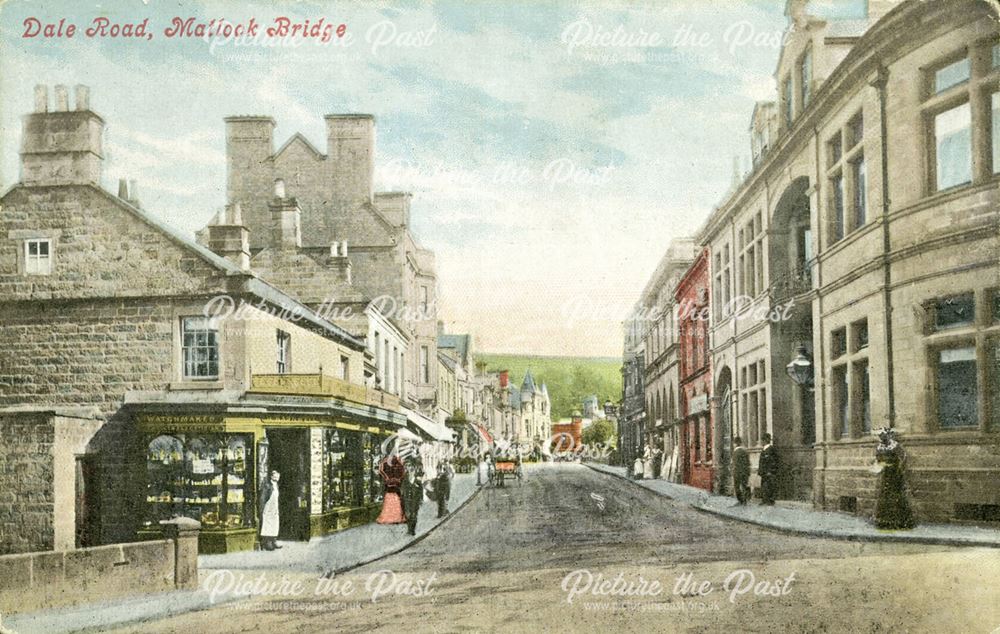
[269,516]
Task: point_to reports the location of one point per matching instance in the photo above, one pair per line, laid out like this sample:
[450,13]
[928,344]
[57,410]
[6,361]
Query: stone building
[864,242]
[145,375]
[338,204]
[633,408]
[661,379]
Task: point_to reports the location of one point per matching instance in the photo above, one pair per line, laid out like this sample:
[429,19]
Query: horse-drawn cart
[507,467]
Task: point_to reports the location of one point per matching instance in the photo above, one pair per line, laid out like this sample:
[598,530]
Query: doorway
[289,456]
[87,508]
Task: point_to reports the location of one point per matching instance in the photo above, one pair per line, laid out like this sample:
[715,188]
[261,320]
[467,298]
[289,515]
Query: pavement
[801,518]
[331,554]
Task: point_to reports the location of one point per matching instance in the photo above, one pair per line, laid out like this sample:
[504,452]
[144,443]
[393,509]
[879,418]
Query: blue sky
[547,172]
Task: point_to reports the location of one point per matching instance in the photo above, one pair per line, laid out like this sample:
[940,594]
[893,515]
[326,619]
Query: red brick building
[567,435]
[695,382]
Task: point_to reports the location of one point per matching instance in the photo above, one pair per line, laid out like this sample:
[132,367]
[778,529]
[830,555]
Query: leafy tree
[600,432]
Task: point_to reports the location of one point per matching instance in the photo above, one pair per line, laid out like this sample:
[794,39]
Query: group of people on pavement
[404,490]
[403,493]
[649,464]
[767,469]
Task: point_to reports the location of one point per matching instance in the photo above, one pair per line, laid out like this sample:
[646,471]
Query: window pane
[857,129]
[957,390]
[839,343]
[860,193]
[836,149]
[953,143]
[996,129]
[955,311]
[866,399]
[951,75]
[838,207]
[996,56]
[840,400]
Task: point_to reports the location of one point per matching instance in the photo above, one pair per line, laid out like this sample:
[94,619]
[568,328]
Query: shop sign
[698,404]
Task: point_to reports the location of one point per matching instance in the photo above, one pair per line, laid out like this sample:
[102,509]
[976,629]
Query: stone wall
[38,475]
[35,581]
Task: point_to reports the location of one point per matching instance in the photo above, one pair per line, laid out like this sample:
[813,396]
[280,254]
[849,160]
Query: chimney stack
[286,219]
[229,238]
[62,146]
[339,261]
[350,149]
[123,189]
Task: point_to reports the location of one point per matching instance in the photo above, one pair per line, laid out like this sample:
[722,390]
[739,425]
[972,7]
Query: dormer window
[38,256]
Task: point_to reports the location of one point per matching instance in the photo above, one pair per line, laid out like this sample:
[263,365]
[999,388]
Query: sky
[553,149]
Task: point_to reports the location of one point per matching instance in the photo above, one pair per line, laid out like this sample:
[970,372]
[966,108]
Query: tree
[600,432]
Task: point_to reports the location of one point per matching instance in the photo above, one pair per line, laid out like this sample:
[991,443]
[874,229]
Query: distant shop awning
[427,426]
[482,433]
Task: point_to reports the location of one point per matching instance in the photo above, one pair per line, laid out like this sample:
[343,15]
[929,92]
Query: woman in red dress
[392,471]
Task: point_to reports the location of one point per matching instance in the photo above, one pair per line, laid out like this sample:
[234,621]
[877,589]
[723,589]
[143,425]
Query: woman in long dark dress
[892,509]
[392,471]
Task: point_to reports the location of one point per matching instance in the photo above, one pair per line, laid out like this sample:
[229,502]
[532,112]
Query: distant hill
[569,379]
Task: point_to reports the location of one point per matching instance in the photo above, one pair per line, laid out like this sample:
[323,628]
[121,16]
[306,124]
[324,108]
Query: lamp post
[801,368]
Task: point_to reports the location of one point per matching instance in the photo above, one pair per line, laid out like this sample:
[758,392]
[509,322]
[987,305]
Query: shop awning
[482,433]
[428,426]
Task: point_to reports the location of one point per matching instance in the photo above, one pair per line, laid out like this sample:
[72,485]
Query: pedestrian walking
[442,486]
[637,468]
[767,469]
[269,520]
[413,496]
[392,471]
[741,471]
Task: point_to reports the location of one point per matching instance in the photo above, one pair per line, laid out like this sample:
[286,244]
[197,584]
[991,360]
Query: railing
[793,283]
[321,385]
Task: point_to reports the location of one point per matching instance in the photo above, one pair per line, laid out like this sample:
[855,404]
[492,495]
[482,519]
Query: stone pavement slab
[334,553]
[793,517]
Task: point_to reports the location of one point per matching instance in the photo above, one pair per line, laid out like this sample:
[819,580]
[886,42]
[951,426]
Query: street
[546,555]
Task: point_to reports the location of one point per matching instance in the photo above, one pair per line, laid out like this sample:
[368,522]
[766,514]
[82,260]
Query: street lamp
[801,368]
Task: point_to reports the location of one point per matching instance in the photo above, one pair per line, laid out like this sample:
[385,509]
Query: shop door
[289,456]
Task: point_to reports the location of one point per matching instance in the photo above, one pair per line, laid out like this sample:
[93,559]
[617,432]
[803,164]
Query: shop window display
[204,477]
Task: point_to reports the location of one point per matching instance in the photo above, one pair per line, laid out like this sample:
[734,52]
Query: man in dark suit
[413,495]
[767,468]
[442,486]
[741,471]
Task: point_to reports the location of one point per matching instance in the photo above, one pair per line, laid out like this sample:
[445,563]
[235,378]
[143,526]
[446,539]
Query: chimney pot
[279,188]
[133,191]
[62,98]
[82,97]
[41,98]
[236,214]
[123,189]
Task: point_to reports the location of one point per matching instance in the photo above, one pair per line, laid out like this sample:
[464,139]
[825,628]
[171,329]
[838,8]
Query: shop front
[209,461]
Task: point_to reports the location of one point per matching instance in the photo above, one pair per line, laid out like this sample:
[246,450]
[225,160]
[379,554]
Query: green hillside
[569,379]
